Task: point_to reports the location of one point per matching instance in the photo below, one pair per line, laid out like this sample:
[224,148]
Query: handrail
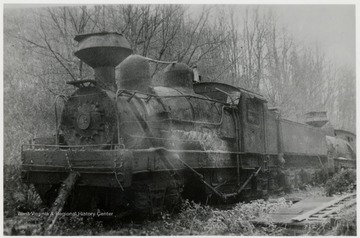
[134,92]
[184,121]
[228,94]
[152,149]
[69,146]
[77,83]
[117,115]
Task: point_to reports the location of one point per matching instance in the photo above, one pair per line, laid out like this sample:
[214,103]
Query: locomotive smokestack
[103,52]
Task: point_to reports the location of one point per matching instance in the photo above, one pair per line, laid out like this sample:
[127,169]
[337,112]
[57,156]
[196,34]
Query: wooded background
[250,50]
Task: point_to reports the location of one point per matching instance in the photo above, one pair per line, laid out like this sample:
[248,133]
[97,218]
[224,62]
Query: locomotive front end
[89,118]
[86,143]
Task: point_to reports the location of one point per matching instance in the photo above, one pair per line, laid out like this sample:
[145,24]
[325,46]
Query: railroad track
[305,215]
[328,210]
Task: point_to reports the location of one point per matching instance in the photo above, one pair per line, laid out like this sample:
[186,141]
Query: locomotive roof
[206,86]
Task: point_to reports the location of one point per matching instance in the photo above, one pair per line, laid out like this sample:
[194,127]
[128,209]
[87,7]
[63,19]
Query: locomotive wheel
[263,185]
[141,199]
[173,199]
[154,198]
[47,193]
[195,190]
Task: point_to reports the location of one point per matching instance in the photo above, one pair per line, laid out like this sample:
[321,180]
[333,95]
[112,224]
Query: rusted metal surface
[347,136]
[134,74]
[245,184]
[339,148]
[97,167]
[179,75]
[299,138]
[177,108]
[210,89]
[177,122]
[253,124]
[344,163]
[271,132]
[89,117]
[102,49]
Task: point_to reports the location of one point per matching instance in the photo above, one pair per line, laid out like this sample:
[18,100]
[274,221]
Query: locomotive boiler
[136,146]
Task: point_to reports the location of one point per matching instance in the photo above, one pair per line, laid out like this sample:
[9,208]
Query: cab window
[233,97]
[253,112]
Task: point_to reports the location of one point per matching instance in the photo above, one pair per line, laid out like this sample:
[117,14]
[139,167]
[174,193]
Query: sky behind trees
[330,27]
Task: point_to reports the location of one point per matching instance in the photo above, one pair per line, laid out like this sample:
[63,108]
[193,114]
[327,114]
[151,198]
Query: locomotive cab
[250,112]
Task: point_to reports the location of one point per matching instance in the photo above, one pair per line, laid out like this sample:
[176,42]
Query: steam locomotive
[133,146]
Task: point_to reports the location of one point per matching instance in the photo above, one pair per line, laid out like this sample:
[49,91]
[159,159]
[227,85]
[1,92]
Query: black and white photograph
[174,119]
